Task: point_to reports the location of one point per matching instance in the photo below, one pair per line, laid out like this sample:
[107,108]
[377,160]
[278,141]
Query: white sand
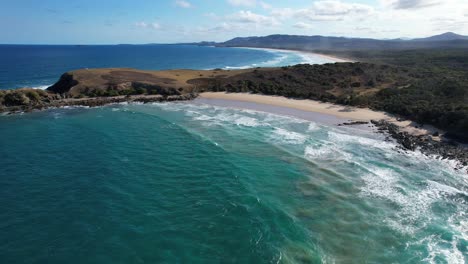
[345,112]
[309,55]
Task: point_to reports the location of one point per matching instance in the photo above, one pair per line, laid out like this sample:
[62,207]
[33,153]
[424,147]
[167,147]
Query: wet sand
[308,109]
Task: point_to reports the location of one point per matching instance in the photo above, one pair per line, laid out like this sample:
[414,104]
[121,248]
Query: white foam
[277,61]
[74,106]
[318,152]
[246,121]
[285,58]
[437,250]
[302,57]
[442,188]
[349,139]
[237,67]
[313,127]
[203,118]
[414,211]
[42,87]
[226,118]
[282,119]
[384,184]
[289,137]
[281,56]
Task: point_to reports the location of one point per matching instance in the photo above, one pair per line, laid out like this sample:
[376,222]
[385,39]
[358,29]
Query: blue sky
[159,21]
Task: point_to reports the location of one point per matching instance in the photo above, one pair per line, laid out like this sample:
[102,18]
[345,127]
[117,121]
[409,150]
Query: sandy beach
[306,54]
[339,111]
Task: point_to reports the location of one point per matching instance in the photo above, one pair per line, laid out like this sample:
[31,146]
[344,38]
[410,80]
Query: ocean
[40,66]
[210,182]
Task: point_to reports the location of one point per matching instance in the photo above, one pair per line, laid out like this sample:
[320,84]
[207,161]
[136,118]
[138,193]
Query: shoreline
[405,133]
[304,53]
[409,136]
[94,102]
[353,114]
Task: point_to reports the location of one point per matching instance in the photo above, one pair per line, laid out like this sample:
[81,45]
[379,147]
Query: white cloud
[452,23]
[328,10]
[338,8]
[283,12]
[183,4]
[247,3]
[350,18]
[411,4]
[265,5]
[303,25]
[221,28]
[143,24]
[251,18]
[238,22]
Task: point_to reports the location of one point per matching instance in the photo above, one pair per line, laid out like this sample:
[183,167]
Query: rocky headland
[362,85]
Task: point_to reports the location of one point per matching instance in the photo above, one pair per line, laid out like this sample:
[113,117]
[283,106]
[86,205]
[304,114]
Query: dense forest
[439,95]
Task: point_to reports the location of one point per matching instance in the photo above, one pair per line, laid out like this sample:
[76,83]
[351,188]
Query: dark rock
[64,84]
[353,123]
[448,149]
[97,101]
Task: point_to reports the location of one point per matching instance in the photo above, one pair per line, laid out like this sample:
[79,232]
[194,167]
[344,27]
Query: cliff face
[64,84]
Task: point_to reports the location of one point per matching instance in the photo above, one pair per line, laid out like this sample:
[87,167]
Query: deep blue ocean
[210,182]
[40,66]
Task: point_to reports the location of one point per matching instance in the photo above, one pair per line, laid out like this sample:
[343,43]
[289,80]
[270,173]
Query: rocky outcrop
[353,123]
[98,101]
[64,84]
[96,87]
[446,149]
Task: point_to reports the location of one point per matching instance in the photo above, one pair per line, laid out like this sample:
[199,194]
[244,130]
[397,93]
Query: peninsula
[365,88]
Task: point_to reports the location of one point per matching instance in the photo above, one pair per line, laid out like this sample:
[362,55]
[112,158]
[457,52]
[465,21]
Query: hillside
[448,36]
[311,43]
[122,81]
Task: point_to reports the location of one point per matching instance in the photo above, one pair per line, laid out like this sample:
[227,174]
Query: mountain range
[299,42]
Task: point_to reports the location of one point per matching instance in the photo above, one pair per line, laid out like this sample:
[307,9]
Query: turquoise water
[40,66]
[197,183]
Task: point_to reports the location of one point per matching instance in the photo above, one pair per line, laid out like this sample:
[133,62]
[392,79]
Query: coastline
[304,53]
[94,102]
[408,135]
[340,111]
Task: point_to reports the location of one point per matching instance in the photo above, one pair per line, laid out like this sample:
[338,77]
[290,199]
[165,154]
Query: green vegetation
[22,97]
[440,102]
[330,82]
[136,88]
[426,86]
[440,94]
[426,62]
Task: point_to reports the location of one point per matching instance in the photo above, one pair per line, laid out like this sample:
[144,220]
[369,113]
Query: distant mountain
[444,37]
[297,42]
[202,43]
